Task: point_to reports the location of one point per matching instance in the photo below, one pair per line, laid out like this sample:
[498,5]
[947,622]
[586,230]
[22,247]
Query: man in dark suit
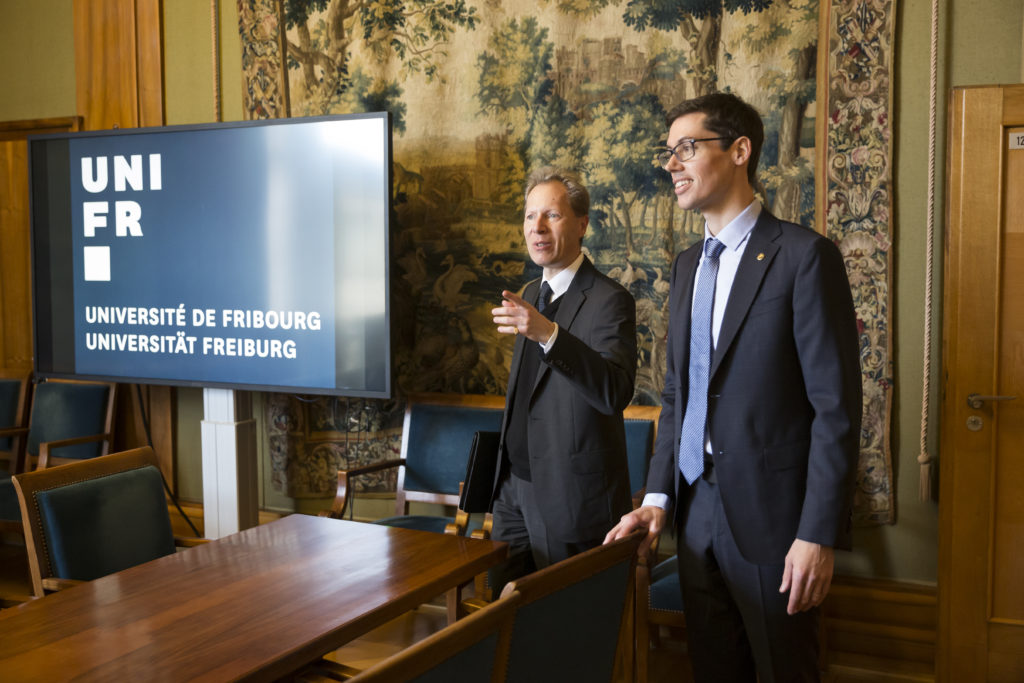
[562,480]
[760,423]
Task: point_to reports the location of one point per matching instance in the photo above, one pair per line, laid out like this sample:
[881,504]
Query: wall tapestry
[482,91]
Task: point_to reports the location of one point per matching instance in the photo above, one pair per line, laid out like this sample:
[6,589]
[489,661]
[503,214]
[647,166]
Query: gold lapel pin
[760,257]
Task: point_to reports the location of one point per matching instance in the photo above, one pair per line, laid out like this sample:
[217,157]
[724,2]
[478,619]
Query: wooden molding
[880,630]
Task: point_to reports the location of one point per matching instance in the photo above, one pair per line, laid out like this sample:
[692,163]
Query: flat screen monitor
[242,255]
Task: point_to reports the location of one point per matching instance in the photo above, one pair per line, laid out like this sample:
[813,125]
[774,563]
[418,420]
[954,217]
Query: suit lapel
[757,258]
[682,300]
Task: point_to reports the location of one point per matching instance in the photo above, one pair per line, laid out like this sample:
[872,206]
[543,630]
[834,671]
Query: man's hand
[515,316]
[648,516]
[807,576]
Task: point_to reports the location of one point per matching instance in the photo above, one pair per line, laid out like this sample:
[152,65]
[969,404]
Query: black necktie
[545,297]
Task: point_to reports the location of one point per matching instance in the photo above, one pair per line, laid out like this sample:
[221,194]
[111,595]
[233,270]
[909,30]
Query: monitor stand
[230,485]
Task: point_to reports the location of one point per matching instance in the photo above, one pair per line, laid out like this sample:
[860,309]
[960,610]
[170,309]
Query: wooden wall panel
[15,278]
[15,269]
[106,66]
[880,630]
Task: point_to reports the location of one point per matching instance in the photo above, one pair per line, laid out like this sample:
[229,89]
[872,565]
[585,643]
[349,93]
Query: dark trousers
[736,618]
[518,521]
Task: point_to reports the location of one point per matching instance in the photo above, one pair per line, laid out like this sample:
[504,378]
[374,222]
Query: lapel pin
[760,257]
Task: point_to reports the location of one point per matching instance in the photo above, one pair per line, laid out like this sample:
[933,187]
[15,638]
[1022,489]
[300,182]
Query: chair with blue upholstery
[659,602]
[574,615]
[94,517]
[641,424]
[14,392]
[472,650]
[436,439]
[69,421]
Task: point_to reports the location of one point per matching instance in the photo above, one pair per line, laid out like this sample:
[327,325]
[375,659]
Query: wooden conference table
[253,605]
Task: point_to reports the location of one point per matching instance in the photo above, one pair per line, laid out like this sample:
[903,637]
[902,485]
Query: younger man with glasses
[760,421]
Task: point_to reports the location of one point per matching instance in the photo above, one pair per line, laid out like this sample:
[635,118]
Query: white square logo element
[97,264]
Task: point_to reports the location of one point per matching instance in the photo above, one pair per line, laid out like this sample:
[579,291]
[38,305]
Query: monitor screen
[245,255]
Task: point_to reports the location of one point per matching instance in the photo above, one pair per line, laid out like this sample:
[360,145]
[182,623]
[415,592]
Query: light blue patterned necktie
[691,443]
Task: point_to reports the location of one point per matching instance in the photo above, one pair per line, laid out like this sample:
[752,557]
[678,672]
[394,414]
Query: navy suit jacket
[784,396]
[576,435]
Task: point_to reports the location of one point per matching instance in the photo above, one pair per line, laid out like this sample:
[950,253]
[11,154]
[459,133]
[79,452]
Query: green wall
[37,51]
[980,43]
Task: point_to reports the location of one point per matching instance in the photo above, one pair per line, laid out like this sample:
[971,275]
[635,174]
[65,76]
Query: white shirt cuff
[546,348]
[658,500]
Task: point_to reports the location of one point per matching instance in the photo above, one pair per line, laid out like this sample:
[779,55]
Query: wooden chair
[659,602]
[68,417]
[574,615]
[472,650]
[94,517]
[70,420]
[14,391]
[436,439]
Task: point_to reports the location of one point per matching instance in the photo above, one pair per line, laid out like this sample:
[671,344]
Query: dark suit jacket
[784,398]
[576,437]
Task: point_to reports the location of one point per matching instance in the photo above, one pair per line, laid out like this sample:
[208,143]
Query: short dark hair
[579,198]
[728,116]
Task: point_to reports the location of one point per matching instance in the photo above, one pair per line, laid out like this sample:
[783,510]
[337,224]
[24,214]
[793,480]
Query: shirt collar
[563,278]
[738,230]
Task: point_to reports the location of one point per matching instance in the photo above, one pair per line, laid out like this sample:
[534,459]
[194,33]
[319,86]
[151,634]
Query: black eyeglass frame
[663,156]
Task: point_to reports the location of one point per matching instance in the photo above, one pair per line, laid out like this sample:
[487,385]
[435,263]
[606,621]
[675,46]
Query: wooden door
[981,503]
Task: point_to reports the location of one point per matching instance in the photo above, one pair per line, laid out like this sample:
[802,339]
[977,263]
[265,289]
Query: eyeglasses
[683,151]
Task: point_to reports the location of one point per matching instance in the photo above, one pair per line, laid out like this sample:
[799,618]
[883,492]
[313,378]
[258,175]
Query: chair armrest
[189,541]
[47,446]
[12,431]
[340,502]
[52,583]
[484,531]
[461,523]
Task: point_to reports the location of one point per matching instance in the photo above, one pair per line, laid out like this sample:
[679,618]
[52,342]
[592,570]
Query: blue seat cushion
[428,522]
[100,526]
[417,522]
[665,592]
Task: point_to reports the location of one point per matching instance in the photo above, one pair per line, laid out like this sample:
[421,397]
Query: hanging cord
[924,459]
[215,40]
[149,441]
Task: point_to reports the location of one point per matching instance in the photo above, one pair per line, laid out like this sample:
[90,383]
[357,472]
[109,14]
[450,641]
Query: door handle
[977,401]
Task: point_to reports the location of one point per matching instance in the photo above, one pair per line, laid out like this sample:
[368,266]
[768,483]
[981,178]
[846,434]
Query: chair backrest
[472,650]
[641,429]
[568,625]
[95,517]
[13,413]
[436,440]
[66,409]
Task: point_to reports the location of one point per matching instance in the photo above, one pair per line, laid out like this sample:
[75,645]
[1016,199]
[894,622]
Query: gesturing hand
[515,316]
